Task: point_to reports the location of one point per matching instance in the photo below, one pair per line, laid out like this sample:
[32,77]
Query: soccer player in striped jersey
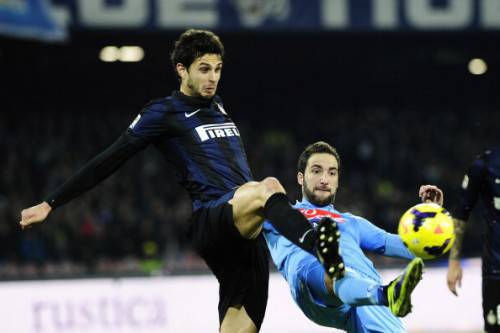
[354,300]
[193,131]
[482,181]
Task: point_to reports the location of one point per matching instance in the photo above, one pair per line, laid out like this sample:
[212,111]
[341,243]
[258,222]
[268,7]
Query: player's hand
[34,214]
[454,276]
[431,193]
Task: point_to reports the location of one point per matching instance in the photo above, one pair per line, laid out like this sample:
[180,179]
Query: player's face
[320,179]
[202,76]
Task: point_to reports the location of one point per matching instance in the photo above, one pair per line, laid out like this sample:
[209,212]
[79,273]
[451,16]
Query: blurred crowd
[135,221]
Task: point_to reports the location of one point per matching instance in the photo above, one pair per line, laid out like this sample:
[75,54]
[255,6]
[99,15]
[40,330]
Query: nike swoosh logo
[303,238]
[192,113]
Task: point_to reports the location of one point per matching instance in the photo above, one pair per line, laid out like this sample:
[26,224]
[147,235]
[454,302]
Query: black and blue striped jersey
[197,139]
[483,181]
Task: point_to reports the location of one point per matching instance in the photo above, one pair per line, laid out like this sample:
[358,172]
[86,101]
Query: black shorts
[240,265]
[491,304]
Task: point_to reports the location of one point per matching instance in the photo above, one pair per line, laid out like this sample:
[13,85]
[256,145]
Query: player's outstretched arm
[34,214]
[91,174]
[431,193]
[454,276]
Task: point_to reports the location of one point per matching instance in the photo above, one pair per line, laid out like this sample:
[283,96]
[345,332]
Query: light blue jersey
[305,274]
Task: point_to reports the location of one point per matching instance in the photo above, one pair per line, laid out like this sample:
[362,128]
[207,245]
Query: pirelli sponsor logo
[212,131]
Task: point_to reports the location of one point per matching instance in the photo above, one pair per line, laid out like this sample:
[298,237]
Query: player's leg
[255,201]
[491,305]
[355,289]
[321,305]
[374,318]
[241,266]
[237,320]
[352,289]
[305,277]
[247,204]
[245,293]
[312,274]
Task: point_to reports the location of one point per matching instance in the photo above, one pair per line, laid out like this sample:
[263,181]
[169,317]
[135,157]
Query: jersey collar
[306,202]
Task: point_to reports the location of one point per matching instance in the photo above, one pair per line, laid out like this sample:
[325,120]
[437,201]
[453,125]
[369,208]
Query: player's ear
[300,178]
[181,70]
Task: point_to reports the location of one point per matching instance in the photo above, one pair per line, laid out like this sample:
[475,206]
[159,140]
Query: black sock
[290,222]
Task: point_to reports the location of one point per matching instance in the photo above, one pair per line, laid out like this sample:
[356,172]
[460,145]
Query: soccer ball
[427,230]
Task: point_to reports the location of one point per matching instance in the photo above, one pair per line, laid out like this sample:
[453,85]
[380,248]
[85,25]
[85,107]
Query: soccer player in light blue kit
[350,297]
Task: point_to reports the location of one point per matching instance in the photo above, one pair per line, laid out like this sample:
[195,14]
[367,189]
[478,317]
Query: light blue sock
[354,290]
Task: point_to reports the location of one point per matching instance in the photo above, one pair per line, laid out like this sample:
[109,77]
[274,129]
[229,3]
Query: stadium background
[399,104]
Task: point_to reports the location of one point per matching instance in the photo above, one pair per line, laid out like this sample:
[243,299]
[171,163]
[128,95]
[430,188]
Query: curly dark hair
[319,147]
[194,43]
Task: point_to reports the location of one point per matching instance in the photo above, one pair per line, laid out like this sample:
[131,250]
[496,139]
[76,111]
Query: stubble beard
[313,198]
[197,90]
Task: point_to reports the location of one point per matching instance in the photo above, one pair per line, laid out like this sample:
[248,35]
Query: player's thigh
[237,320]
[248,205]
[491,305]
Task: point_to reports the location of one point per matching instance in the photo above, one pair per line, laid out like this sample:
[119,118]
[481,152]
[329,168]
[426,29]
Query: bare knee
[248,203]
[270,185]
